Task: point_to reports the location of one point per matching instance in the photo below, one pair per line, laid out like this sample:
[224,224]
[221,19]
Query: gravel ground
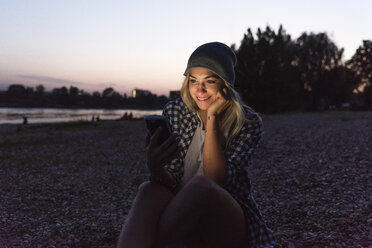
[71,185]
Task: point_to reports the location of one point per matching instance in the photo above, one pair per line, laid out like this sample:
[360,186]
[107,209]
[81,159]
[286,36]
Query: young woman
[200,193]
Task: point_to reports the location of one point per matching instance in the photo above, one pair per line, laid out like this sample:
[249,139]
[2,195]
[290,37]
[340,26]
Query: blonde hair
[233,117]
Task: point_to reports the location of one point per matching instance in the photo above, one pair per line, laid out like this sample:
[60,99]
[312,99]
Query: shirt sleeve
[238,155]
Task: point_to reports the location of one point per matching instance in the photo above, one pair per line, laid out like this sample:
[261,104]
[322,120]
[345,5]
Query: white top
[193,163]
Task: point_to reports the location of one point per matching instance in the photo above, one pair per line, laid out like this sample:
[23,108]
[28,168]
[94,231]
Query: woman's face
[204,86]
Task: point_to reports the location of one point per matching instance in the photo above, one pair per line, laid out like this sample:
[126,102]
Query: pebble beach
[72,184]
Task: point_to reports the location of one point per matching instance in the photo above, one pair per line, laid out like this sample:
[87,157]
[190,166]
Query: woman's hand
[160,155]
[222,101]
[214,164]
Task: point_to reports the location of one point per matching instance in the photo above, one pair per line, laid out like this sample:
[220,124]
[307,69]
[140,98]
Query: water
[48,115]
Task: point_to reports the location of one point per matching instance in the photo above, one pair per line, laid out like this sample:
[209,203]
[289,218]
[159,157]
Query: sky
[95,44]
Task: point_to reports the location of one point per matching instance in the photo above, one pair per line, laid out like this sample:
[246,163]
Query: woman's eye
[211,81]
[192,81]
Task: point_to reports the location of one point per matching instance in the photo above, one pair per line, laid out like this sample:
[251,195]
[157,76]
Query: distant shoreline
[52,115]
[75,108]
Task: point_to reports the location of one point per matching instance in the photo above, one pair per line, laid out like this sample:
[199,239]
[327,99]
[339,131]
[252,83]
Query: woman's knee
[202,182]
[222,214]
[150,190]
[146,187]
[204,187]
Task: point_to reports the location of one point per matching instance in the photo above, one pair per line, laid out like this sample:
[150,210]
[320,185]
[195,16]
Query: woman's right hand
[160,155]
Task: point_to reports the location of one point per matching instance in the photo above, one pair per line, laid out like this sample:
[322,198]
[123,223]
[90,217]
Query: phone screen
[153,122]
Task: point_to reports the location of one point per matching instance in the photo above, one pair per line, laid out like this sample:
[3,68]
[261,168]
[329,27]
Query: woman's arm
[214,164]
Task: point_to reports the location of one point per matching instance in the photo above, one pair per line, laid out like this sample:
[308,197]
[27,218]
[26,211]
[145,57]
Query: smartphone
[155,121]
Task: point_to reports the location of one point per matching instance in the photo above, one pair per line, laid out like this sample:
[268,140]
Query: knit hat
[216,57]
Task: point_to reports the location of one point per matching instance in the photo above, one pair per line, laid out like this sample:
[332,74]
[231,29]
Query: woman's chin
[202,106]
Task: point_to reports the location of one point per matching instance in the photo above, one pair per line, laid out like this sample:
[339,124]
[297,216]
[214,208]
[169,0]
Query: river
[48,115]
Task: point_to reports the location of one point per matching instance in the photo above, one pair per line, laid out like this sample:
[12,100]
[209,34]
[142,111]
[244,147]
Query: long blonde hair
[233,117]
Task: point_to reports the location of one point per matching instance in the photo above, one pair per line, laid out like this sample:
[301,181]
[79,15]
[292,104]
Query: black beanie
[216,57]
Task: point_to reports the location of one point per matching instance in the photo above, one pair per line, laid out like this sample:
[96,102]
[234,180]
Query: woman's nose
[201,88]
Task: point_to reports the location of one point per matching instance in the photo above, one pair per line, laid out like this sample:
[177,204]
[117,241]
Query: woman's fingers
[171,139]
[172,155]
[170,150]
[158,159]
[165,152]
[154,138]
[223,99]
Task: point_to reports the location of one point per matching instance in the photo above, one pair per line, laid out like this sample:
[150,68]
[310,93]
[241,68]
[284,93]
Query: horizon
[49,90]
[94,45]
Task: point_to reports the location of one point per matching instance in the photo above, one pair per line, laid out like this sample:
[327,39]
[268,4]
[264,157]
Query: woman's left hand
[222,101]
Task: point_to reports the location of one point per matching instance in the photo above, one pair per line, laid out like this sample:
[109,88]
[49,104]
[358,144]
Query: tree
[96,94]
[316,55]
[73,96]
[16,90]
[339,84]
[361,64]
[40,99]
[40,89]
[19,95]
[266,75]
[60,96]
[16,94]
[73,91]
[108,92]
[111,98]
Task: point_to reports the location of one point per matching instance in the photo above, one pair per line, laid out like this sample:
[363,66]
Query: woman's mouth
[203,99]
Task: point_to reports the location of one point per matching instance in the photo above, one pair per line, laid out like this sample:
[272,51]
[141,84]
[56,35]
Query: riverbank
[72,185]
[53,115]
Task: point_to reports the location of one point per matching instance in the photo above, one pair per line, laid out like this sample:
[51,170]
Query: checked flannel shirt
[237,154]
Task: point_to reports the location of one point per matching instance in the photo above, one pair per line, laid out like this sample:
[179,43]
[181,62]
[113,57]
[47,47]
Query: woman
[200,193]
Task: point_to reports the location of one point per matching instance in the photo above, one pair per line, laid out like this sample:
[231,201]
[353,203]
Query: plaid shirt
[237,155]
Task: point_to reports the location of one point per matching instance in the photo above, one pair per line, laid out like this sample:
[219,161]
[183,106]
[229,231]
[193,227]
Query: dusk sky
[95,44]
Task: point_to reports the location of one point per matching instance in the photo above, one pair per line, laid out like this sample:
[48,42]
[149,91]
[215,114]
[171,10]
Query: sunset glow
[145,44]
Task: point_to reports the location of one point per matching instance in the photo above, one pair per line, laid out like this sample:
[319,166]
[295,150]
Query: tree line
[18,95]
[276,73]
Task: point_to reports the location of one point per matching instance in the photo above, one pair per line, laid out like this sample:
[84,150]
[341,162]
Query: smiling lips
[203,99]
